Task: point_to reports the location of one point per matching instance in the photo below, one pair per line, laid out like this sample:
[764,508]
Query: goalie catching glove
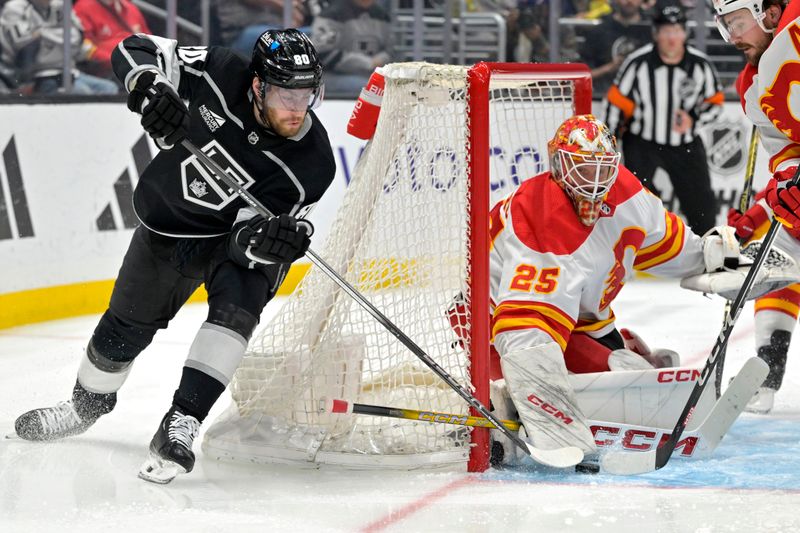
[281,239]
[164,115]
[726,267]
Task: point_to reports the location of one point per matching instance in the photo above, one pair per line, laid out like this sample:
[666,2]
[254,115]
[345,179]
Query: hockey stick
[337,406]
[568,456]
[622,463]
[744,205]
[709,433]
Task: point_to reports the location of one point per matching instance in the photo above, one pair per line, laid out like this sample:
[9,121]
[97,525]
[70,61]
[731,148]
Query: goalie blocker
[780,269]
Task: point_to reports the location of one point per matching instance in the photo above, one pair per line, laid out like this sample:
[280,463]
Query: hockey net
[411,236]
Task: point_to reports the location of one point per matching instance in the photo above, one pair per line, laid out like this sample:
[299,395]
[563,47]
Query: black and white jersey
[176,195]
[647,92]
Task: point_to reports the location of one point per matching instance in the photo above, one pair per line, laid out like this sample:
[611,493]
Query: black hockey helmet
[669,14]
[286,58]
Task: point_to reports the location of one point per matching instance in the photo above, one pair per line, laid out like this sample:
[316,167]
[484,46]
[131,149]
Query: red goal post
[479,81]
[411,235]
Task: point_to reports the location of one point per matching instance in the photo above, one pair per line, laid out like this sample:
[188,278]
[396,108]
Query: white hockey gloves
[725,274]
[538,388]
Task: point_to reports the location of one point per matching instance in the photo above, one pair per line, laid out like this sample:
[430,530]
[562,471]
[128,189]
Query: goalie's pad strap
[538,385]
[625,359]
[216,351]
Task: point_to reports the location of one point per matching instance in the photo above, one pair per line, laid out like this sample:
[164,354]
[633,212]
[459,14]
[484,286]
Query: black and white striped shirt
[647,92]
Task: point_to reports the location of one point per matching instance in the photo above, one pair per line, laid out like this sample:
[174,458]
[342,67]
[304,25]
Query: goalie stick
[622,463]
[569,456]
[725,411]
[744,205]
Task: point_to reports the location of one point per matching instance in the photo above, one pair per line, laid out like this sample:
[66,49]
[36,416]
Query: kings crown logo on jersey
[202,188]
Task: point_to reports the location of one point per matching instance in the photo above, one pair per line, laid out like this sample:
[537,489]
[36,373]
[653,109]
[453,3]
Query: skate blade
[158,470]
[13,436]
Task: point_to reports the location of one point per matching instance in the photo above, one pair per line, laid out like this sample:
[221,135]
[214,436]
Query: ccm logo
[549,409]
[639,439]
[668,376]
[443,418]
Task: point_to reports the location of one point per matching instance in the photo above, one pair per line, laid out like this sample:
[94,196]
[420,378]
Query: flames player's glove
[748,222]
[784,199]
[164,115]
[280,239]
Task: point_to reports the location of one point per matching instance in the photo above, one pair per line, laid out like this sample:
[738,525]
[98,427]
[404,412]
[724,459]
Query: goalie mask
[286,62]
[736,17]
[584,161]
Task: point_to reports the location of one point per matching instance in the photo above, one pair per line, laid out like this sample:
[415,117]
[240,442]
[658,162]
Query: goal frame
[478,167]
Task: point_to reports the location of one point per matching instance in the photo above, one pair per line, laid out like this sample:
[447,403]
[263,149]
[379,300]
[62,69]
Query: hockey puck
[587,468]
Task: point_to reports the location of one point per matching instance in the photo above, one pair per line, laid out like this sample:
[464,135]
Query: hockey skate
[762,401]
[774,354]
[66,419]
[171,448]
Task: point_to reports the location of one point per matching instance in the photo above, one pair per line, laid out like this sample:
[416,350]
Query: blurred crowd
[353,37]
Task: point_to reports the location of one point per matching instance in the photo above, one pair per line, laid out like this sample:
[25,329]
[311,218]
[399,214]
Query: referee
[662,94]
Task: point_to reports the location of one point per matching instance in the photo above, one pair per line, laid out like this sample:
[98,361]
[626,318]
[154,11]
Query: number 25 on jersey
[528,277]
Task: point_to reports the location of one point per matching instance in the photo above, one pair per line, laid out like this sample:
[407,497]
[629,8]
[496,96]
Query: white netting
[401,239]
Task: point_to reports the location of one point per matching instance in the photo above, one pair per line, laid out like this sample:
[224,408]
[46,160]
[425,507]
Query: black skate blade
[13,436]
[156,469]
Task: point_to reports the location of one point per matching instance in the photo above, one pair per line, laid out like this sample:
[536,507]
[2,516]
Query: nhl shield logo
[725,147]
[253,138]
[203,188]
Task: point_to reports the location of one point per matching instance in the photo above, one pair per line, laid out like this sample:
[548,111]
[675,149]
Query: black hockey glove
[164,116]
[273,240]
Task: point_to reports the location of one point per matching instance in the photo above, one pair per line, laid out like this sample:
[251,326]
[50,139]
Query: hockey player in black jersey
[256,121]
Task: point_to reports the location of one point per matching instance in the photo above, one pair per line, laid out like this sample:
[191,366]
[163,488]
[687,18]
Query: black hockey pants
[688,171]
[158,275]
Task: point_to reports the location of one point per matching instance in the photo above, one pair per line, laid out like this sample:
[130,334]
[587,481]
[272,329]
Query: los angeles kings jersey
[769,96]
[176,195]
[551,275]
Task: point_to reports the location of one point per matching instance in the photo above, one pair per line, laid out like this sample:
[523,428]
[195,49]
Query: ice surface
[89,483]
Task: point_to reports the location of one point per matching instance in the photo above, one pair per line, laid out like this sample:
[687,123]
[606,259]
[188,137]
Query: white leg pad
[546,403]
[216,351]
[93,379]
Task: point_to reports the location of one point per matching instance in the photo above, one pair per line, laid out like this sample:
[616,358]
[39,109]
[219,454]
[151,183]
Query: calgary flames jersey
[767,93]
[551,275]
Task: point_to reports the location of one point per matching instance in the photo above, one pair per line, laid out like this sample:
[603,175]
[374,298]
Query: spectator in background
[191,11]
[243,21]
[353,38]
[664,92]
[105,23]
[31,39]
[533,25]
[607,44]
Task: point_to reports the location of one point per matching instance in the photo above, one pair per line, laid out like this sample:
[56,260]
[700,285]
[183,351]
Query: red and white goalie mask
[584,161]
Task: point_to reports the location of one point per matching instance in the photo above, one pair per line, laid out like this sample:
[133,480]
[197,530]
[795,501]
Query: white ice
[88,483]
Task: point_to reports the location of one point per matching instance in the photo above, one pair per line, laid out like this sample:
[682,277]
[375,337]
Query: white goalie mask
[584,161]
[736,17]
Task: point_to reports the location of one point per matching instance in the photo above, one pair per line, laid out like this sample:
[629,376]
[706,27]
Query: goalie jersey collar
[553,209]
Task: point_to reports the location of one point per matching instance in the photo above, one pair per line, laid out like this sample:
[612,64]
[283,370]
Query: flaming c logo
[775,101]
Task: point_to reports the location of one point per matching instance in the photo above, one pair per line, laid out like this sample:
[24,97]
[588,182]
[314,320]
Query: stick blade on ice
[628,463]
[557,458]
